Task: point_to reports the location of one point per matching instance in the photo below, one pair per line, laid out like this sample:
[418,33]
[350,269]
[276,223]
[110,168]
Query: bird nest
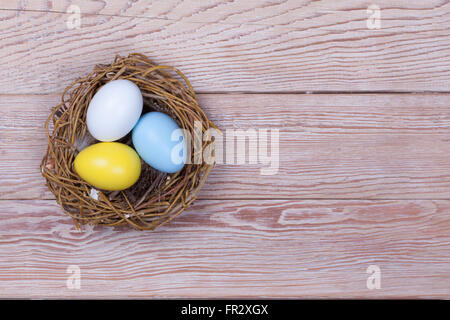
[157,197]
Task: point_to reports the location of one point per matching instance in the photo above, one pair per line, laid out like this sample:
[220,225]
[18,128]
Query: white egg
[114,110]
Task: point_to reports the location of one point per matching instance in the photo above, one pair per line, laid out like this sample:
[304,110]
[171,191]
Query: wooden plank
[243,248]
[287,12]
[375,146]
[257,46]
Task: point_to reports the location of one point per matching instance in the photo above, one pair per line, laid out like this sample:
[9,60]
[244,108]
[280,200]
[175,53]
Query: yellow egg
[108,165]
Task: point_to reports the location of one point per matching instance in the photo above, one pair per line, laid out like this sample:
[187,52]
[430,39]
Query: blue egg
[160,142]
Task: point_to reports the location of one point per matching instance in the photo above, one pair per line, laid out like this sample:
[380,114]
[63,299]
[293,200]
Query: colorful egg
[108,165]
[160,142]
[114,110]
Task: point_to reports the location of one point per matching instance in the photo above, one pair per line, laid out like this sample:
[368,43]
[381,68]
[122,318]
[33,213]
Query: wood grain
[246,248]
[331,146]
[229,46]
[364,178]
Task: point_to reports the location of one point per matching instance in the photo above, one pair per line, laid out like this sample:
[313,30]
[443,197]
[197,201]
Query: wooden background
[364,177]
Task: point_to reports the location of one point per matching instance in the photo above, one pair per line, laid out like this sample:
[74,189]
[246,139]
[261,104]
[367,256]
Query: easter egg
[114,110]
[108,165]
[160,142]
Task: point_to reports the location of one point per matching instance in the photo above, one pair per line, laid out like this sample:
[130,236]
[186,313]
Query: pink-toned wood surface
[364,165]
[256,46]
[375,146]
[234,248]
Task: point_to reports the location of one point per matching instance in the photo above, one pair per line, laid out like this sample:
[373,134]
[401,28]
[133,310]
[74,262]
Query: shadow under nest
[157,197]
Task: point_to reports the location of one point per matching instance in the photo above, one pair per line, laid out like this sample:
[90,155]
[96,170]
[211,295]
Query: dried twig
[151,202]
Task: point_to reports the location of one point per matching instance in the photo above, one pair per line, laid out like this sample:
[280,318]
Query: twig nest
[157,197]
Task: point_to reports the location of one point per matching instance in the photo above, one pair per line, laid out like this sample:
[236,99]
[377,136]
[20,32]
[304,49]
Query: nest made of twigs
[156,198]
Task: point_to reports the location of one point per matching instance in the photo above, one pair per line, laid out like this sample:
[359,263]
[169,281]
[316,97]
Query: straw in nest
[156,198]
